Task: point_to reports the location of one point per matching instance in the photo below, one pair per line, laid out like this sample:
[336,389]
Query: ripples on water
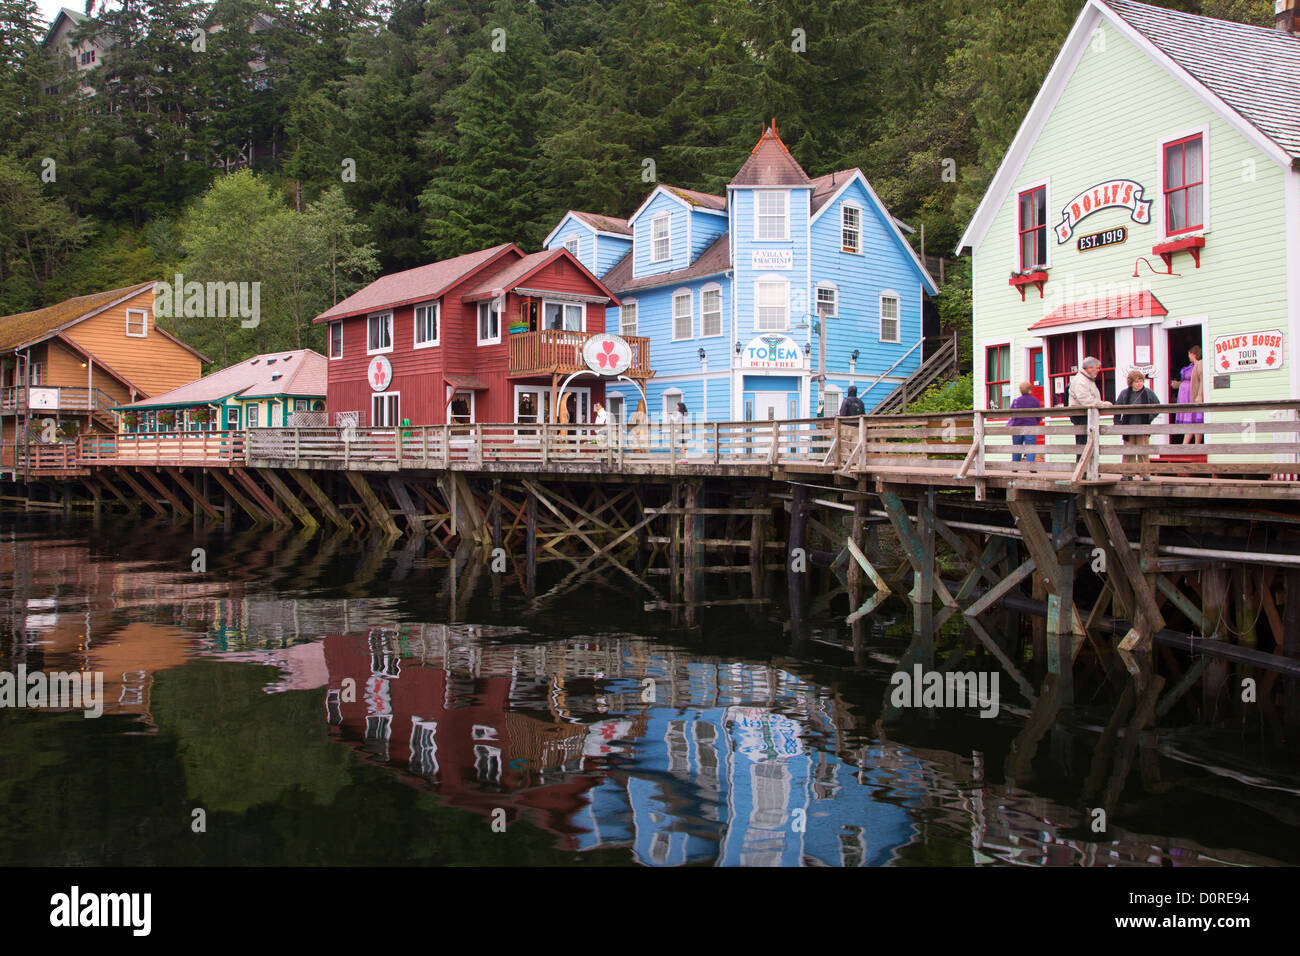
[328,703]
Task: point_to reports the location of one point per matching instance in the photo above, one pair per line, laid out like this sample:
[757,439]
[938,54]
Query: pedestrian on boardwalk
[1026,399]
[852,405]
[1191,391]
[1084,393]
[1137,393]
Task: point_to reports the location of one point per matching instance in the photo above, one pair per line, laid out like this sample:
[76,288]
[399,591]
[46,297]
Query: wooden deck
[1251,448]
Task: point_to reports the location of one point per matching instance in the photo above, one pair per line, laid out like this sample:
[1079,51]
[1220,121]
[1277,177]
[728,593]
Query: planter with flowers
[167,418]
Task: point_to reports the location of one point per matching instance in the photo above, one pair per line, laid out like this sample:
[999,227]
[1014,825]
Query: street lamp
[704,370]
[853,364]
[823,311]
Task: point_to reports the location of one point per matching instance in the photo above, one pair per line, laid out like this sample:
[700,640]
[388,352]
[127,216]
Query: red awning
[470,382]
[1113,308]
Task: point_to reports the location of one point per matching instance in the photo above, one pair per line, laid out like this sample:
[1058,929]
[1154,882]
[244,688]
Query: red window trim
[988,383]
[1021,230]
[1164,184]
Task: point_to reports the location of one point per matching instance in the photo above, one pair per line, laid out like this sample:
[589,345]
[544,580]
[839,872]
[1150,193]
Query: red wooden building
[484,337]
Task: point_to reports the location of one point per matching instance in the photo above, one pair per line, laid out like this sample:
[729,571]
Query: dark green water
[331,703]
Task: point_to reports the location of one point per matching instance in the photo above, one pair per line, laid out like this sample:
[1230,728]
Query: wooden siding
[154,363]
[679,257]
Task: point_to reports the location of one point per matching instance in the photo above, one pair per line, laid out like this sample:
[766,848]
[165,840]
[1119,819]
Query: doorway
[1180,340]
[770,406]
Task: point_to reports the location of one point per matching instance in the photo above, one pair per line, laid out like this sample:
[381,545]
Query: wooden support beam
[256,492]
[414,519]
[321,499]
[101,475]
[259,516]
[1000,590]
[1121,590]
[296,507]
[375,508]
[530,542]
[172,498]
[912,544]
[194,493]
[1148,618]
[1291,648]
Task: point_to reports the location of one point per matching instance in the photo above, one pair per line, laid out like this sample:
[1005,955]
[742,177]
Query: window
[997,376]
[851,229]
[1033,228]
[1184,185]
[1142,352]
[1062,363]
[571,244]
[772,219]
[832,404]
[137,323]
[384,409]
[890,327]
[251,413]
[335,338]
[711,312]
[683,318]
[426,325]
[460,411]
[232,418]
[34,373]
[561,315]
[773,306]
[671,398]
[489,324]
[661,242]
[615,407]
[379,333]
[828,300]
[627,319]
[1101,343]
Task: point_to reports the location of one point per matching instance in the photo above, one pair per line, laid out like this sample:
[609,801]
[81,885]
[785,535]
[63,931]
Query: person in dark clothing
[852,405]
[1137,393]
[1026,399]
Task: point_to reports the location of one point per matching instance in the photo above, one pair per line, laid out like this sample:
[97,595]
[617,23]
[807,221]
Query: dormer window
[571,244]
[772,215]
[660,238]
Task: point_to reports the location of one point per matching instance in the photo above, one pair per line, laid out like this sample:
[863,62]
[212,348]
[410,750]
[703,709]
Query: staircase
[941,366]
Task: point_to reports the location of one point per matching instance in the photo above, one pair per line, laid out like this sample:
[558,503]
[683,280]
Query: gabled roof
[499,283]
[28,328]
[1249,76]
[301,372]
[695,201]
[416,285]
[64,14]
[827,188]
[609,225]
[770,164]
[714,260]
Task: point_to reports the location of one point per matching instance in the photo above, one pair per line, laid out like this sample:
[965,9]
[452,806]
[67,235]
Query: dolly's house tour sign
[1121,193]
[1248,352]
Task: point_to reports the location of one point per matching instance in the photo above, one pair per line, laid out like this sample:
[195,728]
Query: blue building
[729,290]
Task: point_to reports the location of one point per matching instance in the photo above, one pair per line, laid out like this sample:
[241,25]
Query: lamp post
[704,370]
[853,365]
[823,310]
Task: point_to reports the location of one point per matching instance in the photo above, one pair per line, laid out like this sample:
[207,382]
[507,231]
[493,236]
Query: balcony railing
[558,351]
[55,398]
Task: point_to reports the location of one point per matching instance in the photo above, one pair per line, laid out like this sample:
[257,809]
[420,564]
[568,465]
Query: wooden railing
[68,398]
[1242,441]
[560,351]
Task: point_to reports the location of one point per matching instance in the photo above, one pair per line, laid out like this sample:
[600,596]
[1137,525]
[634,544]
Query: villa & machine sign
[1121,193]
[1248,352]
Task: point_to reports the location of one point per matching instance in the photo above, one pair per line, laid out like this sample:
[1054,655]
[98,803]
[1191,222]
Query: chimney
[1286,16]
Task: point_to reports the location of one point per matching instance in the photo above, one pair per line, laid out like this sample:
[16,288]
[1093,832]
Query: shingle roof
[696,198]
[422,282]
[711,262]
[770,164]
[603,223]
[25,328]
[499,282]
[301,372]
[1255,70]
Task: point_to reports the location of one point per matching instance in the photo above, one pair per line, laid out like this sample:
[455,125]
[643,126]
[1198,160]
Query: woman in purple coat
[1190,393]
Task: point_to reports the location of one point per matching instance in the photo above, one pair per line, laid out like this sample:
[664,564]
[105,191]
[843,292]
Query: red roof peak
[770,163]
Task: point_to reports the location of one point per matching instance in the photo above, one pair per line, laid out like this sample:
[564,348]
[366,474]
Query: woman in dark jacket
[1137,393]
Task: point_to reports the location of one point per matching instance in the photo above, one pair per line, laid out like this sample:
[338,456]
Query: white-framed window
[771,215]
[614,403]
[832,402]
[683,315]
[460,408]
[385,409]
[891,326]
[379,333]
[251,412]
[671,398]
[851,228]
[710,311]
[627,318]
[827,300]
[335,340]
[426,325]
[661,240]
[489,324]
[771,305]
[569,316]
[137,323]
[572,244]
[1184,184]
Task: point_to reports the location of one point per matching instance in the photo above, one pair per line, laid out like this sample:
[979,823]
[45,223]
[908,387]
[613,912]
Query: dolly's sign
[1122,193]
[771,351]
[1248,352]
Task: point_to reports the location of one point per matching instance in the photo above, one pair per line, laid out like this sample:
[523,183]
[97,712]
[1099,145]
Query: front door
[771,406]
[1037,383]
[532,405]
[461,409]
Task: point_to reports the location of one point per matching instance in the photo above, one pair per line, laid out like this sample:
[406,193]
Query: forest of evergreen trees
[385,135]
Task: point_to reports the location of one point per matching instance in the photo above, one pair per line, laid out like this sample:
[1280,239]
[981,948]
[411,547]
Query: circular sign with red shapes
[607,354]
[379,373]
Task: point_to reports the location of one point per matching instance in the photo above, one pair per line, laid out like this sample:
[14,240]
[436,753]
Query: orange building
[64,367]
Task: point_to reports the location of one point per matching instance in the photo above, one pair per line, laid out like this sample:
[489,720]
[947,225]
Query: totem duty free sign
[1096,240]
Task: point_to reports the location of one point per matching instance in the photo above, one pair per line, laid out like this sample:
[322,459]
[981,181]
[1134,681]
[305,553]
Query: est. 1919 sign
[1096,240]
